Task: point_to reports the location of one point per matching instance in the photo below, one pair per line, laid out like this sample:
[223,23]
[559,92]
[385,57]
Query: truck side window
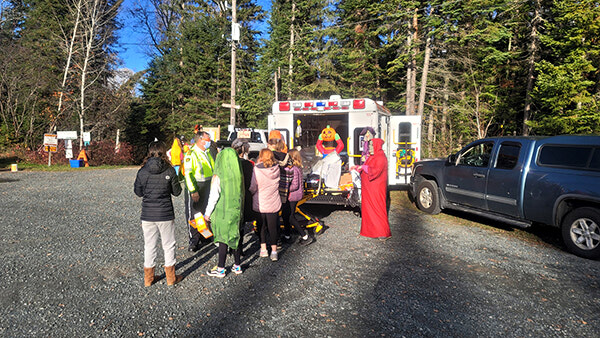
[477,155]
[595,164]
[564,156]
[508,155]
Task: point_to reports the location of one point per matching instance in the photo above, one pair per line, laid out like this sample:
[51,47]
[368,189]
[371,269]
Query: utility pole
[235,36]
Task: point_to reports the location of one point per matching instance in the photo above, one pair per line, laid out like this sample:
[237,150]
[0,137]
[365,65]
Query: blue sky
[134,45]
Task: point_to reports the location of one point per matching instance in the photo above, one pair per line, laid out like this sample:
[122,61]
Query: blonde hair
[296,158]
[266,157]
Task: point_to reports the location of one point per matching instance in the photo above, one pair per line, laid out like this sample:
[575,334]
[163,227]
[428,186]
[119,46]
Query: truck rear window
[508,155]
[565,156]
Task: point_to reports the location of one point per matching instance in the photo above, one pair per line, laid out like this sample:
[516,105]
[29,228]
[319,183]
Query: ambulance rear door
[403,148]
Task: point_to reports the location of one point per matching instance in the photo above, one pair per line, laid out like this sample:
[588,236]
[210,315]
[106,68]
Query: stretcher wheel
[319,228]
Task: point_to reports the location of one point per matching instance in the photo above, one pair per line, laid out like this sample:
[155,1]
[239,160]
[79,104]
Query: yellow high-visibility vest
[198,167]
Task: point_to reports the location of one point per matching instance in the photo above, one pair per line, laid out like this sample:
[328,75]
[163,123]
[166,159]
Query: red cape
[374,192]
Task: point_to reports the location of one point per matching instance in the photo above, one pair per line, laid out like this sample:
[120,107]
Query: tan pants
[167,236]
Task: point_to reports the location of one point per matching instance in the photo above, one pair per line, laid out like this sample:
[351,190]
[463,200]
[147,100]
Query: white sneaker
[274,256]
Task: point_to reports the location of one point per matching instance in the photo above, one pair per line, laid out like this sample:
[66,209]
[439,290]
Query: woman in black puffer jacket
[156,181]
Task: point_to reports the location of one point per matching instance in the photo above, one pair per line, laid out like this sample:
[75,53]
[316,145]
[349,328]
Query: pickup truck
[521,180]
[257,139]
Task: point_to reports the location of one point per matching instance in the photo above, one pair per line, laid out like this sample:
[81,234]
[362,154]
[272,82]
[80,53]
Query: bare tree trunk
[533,49]
[413,61]
[424,77]
[430,134]
[67,67]
[409,70]
[443,136]
[291,58]
[95,17]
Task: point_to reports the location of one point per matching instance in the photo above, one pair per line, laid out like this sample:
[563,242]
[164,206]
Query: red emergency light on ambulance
[301,122]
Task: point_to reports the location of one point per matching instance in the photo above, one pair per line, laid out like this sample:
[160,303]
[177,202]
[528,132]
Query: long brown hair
[296,158]
[156,149]
[266,157]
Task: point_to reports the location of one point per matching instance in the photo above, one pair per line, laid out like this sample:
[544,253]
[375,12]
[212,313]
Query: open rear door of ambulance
[404,148]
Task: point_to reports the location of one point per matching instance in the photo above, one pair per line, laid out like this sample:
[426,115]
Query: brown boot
[148,276]
[172,278]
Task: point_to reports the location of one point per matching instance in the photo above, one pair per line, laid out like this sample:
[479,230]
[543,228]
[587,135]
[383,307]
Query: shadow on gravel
[7,180]
[411,295]
[548,234]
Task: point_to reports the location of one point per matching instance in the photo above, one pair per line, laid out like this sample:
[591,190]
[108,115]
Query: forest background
[471,68]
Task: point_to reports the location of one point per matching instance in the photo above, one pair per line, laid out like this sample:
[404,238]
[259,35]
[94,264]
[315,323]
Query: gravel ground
[72,254]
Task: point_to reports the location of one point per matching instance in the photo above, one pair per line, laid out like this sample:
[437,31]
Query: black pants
[191,208]
[223,255]
[268,223]
[288,213]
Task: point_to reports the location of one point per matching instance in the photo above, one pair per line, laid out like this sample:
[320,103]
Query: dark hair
[240,146]
[156,149]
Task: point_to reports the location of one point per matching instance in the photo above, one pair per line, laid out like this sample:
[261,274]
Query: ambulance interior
[311,126]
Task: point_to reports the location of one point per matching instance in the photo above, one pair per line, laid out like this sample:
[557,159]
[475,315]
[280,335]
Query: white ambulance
[301,122]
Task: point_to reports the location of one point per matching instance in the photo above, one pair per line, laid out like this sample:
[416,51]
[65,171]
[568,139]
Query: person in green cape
[225,208]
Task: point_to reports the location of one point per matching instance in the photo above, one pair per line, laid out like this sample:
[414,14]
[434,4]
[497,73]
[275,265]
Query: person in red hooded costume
[374,181]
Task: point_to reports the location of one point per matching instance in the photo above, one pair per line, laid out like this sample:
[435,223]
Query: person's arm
[320,147]
[375,167]
[295,185]
[175,186]
[138,188]
[253,183]
[189,163]
[213,197]
[340,144]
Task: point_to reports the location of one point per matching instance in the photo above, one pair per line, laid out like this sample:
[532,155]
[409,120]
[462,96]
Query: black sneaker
[305,242]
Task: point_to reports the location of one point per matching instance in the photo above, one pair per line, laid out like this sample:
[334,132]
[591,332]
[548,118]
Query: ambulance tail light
[345,104]
[297,105]
[358,104]
[284,106]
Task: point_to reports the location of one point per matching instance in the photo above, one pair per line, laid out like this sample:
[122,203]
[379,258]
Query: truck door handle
[478,175]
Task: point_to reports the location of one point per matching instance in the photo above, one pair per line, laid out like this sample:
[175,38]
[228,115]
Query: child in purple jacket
[296,192]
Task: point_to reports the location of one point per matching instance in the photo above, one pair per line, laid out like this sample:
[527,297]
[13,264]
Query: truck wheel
[581,232]
[427,197]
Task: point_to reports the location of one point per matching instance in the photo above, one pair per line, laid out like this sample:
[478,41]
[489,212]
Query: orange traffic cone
[83,156]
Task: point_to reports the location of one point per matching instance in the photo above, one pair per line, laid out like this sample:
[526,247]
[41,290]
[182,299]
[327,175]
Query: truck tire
[581,232]
[427,198]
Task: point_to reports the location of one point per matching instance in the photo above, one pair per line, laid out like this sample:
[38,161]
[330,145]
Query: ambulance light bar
[322,105]
[284,106]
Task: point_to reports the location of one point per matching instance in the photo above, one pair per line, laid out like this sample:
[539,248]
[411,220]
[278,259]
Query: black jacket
[155,182]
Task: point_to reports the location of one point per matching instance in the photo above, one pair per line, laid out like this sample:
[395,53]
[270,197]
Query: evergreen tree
[567,90]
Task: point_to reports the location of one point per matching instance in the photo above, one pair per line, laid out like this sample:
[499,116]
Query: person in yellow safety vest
[198,167]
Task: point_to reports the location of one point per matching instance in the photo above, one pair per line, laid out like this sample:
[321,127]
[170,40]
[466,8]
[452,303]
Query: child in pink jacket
[266,201]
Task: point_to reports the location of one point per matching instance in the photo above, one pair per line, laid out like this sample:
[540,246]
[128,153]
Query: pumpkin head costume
[329,141]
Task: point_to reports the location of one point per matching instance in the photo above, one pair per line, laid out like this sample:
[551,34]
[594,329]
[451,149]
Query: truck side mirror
[452,159]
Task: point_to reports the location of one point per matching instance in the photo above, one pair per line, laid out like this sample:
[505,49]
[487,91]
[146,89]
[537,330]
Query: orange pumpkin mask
[328,134]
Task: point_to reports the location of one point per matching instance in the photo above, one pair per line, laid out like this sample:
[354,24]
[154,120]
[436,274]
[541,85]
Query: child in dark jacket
[155,182]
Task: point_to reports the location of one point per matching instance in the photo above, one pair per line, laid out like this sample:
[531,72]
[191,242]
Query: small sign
[67,135]
[69,149]
[50,142]
[87,137]
[227,105]
[244,134]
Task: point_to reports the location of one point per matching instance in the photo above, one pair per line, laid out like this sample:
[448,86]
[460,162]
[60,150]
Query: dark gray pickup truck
[521,180]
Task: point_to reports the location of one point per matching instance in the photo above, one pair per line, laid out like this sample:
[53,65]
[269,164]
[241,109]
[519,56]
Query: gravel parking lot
[72,254]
